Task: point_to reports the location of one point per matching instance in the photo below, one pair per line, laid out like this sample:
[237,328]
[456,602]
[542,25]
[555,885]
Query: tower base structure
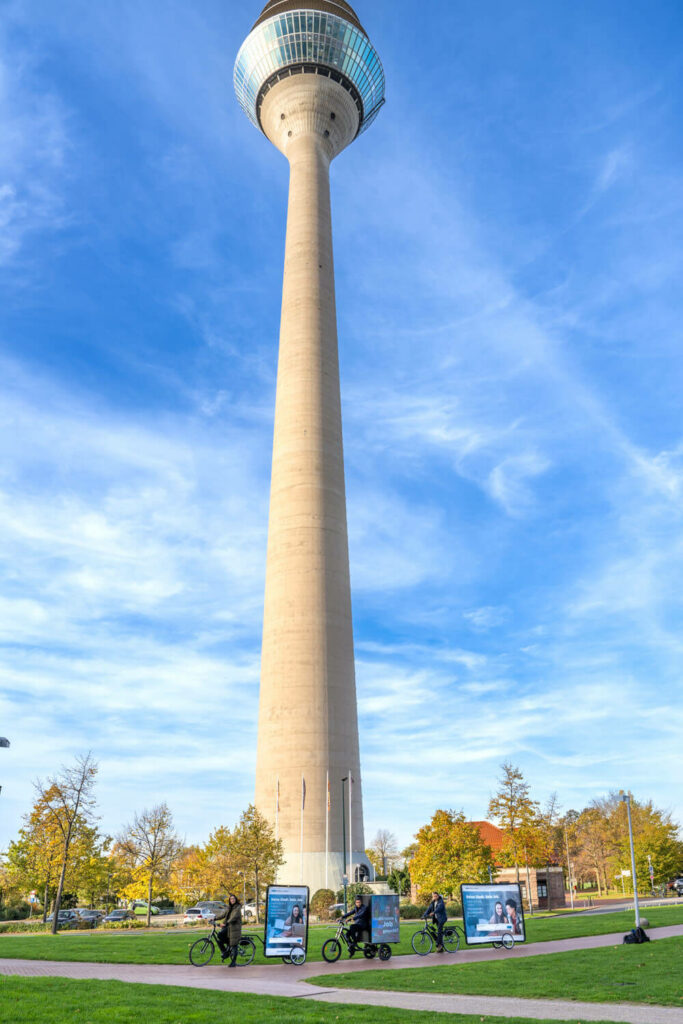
[319,871]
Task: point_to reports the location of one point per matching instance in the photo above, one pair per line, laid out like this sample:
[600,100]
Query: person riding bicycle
[228,937]
[361,922]
[437,911]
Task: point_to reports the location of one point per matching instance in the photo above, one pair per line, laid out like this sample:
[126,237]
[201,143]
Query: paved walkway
[279,980]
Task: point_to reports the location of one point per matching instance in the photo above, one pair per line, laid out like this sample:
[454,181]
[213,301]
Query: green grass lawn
[62,1001]
[171,947]
[648,973]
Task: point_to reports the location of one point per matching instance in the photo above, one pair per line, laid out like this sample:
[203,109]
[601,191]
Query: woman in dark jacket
[230,934]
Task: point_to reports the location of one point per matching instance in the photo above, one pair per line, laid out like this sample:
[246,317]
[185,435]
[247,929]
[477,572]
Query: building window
[542,890]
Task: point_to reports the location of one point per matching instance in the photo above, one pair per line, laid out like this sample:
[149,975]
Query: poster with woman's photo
[491,912]
[286,919]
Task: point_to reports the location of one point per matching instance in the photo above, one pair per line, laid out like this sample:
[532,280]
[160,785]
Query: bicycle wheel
[507,941]
[385,951]
[421,942]
[201,952]
[369,951]
[246,951]
[297,956]
[331,951]
[286,960]
[497,945]
[451,940]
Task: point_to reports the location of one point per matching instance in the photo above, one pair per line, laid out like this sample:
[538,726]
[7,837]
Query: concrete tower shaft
[302,76]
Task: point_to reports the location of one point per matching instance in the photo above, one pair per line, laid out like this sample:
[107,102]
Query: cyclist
[229,936]
[437,911]
[360,923]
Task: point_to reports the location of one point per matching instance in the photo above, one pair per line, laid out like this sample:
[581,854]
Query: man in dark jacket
[437,911]
[360,922]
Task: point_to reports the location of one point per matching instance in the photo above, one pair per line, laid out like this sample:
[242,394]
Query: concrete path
[288,981]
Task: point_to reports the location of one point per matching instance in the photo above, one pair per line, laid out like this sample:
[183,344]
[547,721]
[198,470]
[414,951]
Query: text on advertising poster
[286,919]
[385,919]
[491,912]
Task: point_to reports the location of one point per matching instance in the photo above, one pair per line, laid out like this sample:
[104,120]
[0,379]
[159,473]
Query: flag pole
[303,801]
[277,814]
[353,877]
[327,828]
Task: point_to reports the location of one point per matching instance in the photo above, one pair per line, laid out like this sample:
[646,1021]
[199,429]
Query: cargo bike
[384,931]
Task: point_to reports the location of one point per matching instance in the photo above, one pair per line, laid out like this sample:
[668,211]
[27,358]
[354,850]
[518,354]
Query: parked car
[86,917]
[120,915]
[65,919]
[249,909]
[678,885]
[194,914]
[199,913]
[216,906]
[140,909]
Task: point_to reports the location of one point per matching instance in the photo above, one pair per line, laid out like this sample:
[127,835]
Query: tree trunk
[597,878]
[528,887]
[46,894]
[149,899]
[60,886]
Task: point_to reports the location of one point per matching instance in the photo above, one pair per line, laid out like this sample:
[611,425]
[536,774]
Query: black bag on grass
[637,935]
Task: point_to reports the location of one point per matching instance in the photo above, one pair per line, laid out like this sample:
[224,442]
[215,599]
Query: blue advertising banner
[286,919]
[492,912]
[385,919]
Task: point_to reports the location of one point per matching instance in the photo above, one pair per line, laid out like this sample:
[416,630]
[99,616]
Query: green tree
[517,814]
[353,890]
[450,851]
[256,850]
[382,850]
[149,846]
[222,864]
[399,881]
[191,876]
[91,865]
[66,803]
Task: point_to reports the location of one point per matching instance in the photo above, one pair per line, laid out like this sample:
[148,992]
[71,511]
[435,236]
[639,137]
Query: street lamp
[345,878]
[569,867]
[3,743]
[626,799]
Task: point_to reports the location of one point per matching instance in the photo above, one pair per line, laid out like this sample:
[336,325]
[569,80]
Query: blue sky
[509,257]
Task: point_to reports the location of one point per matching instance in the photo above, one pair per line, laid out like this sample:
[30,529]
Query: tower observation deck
[308,77]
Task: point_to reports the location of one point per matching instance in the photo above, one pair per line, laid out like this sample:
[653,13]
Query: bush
[357,889]
[124,925]
[412,911]
[15,912]
[321,902]
[15,928]
[454,909]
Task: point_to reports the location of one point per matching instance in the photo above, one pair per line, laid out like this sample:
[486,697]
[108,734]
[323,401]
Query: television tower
[308,77]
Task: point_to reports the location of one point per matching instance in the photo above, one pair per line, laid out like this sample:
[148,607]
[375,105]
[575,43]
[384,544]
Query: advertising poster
[492,911]
[286,919]
[385,919]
